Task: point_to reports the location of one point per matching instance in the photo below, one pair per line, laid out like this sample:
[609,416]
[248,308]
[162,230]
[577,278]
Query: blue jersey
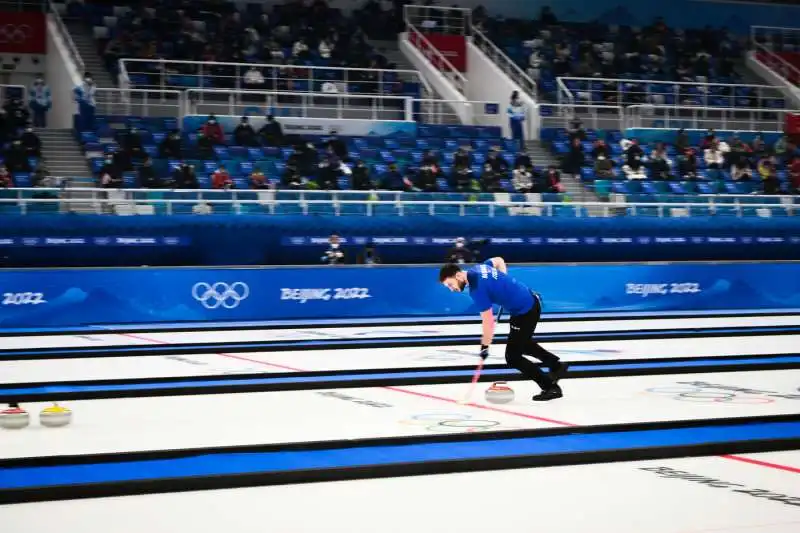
[488,286]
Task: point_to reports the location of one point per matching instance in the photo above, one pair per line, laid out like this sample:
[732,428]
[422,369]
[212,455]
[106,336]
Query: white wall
[437,80]
[487,82]
[792,92]
[62,75]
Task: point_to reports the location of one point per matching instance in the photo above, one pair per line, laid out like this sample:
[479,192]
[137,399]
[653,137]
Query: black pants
[521,343]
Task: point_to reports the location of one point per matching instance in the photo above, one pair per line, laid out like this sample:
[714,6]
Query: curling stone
[55,416]
[14,418]
[499,392]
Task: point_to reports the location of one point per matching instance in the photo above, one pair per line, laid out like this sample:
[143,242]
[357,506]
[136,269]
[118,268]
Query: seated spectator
[715,159]
[426,179]
[600,148]
[769,176]
[681,141]
[523,159]
[634,170]
[132,145]
[258,180]
[292,179]
[337,147]
[462,157]
[31,143]
[17,116]
[497,163]
[760,149]
[184,177]
[794,175]
[462,179]
[632,150]
[41,178]
[325,48]
[6,179]
[361,179]
[271,132]
[552,180]
[17,158]
[221,179]
[170,147]
[110,175]
[603,168]
[148,179]
[573,162]
[205,146]
[394,180]
[244,134]
[522,179]
[300,49]
[660,164]
[212,130]
[742,170]
[490,179]
[687,164]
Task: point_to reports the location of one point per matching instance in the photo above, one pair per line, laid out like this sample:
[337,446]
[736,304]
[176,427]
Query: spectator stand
[625,92]
[778,50]
[369,203]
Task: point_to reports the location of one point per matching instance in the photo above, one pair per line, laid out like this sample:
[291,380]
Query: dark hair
[448,271]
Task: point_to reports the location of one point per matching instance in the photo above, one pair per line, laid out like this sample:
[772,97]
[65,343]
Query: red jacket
[214,132]
[220,179]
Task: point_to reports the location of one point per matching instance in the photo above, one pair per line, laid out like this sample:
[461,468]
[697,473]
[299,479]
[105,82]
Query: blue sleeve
[488,262]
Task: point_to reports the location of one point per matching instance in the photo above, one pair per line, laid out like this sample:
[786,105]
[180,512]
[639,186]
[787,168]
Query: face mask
[335,246]
[88,80]
[459,245]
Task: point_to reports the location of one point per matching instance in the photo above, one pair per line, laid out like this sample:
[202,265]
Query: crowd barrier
[80,297]
[99,240]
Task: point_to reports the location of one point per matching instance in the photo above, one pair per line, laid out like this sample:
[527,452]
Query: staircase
[87,48]
[63,157]
[542,159]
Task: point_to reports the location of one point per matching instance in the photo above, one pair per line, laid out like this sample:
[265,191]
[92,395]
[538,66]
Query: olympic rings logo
[13,34]
[453,422]
[220,294]
[701,395]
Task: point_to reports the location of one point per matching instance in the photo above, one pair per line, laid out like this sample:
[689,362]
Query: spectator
[660,164]
[603,168]
[132,145]
[769,177]
[300,49]
[17,116]
[516,118]
[31,143]
[394,180]
[258,180]
[170,147]
[221,179]
[553,180]
[369,256]
[184,177]
[244,134]
[41,178]
[6,179]
[426,178]
[490,179]
[85,96]
[40,102]
[682,141]
[687,164]
[742,170]
[497,163]
[714,159]
[462,179]
[110,176]
[634,170]
[292,179]
[462,157]
[325,48]
[361,179]
[794,175]
[254,79]
[459,253]
[205,146]
[271,132]
[147,176]
[523,159]
[600,148]
[522,179]
[573,162]
[17,158]
[212,130]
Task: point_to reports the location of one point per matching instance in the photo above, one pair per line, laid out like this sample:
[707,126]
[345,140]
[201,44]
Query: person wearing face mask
[31,142]
[40,102]
[213,131]
[87,103]
[333,255]
[459,253]
[109,176]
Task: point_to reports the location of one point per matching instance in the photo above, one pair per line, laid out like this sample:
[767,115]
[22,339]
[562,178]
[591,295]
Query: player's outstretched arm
[500,264]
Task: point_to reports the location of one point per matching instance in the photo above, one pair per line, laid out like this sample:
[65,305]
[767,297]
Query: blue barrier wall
[284,240]
[64,297]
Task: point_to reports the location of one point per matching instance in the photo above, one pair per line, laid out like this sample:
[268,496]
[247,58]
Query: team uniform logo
[220,294]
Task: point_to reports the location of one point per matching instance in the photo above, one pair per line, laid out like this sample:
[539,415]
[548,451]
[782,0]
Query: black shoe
[558,372]
[552,393]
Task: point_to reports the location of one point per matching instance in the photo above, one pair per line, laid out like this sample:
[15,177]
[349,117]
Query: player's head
[452,277]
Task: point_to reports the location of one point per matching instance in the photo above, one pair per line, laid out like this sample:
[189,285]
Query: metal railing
[608,117]
[298,104]
[777,64]
[177,74]
[436,58]
[454,112]
[439,19]
[367,203]
[701,118]
[53,9]
[625,92]
[504,63]
[140,102]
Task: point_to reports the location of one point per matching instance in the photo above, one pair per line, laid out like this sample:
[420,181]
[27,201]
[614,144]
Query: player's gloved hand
[484,352]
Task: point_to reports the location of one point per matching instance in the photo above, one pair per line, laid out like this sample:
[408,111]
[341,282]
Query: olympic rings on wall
[220,294]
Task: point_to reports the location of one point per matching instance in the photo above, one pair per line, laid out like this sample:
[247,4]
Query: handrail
[783,63]
[526,82]
[62,28]
[663,82]
[460,80]
[639,111]
[144,99]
